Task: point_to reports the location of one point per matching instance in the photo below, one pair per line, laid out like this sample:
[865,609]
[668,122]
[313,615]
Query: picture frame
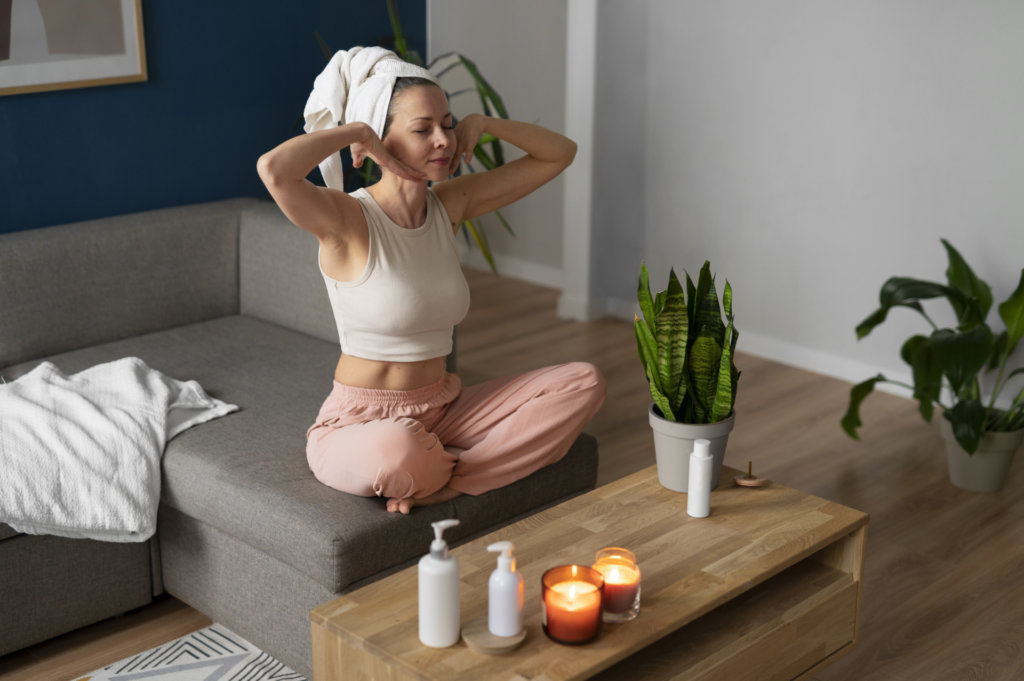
[63,44]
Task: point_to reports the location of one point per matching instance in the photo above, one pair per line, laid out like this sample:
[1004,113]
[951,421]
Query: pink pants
[392,443]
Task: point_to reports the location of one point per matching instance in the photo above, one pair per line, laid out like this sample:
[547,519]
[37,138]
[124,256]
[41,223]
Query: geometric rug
[211,654]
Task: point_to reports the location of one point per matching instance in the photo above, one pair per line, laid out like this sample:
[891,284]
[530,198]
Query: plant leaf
[977,296]
[1012,313]
[879,316]
[503,221]
[488,95]
[968,420]
[659,303]
[646,346]
[960,355]
[999,350]
[917,352]
[671,333]
[707,312]
[643,295]
[647,350]
[323,45]
[851,420]
[722,403]
[705,358]
[481,241]
[907,292]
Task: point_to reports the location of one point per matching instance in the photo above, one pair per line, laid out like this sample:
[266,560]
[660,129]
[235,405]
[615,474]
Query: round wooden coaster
[749,480]
[478,637]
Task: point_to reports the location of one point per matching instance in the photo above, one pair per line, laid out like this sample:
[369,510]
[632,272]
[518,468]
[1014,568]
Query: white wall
[519,48]
[808,149]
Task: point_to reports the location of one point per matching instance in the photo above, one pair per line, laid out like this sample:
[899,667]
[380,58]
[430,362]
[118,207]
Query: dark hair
[401,84]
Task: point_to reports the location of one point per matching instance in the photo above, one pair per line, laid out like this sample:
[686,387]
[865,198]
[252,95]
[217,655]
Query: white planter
[987,468]
[673,443]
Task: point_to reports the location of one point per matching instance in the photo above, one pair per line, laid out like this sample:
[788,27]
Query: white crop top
[411,294]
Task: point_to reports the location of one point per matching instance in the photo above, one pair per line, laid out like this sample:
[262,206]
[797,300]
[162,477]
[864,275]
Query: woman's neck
[403,201]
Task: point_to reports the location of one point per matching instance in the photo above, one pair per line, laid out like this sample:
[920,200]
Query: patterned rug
[211,654]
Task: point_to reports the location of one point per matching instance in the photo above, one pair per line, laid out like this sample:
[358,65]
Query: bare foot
[403,506]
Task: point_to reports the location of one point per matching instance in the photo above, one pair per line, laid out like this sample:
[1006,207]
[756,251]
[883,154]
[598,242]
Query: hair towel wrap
[356,85]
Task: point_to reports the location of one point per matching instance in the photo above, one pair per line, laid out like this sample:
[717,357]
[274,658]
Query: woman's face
[421,132]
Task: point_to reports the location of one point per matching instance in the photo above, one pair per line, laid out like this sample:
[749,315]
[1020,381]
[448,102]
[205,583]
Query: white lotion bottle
[505,593]
[439,615]
[698,492]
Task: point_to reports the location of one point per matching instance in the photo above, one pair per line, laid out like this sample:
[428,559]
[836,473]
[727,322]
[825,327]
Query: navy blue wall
[227,81]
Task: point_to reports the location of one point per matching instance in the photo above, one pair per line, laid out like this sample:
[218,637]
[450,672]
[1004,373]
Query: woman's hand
[467,133]
[374,149]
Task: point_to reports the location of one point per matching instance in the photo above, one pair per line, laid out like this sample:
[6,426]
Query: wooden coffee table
[767,587]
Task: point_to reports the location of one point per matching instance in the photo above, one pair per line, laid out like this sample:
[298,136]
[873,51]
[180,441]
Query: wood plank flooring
[944,576]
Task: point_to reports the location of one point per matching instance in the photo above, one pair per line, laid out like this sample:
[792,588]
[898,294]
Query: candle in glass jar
[572,603]
[621,583]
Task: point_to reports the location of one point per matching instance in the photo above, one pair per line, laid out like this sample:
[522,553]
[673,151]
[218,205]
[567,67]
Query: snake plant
[952,358]
[686,349]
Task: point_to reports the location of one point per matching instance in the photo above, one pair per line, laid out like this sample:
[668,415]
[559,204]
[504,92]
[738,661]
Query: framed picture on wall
[61,44]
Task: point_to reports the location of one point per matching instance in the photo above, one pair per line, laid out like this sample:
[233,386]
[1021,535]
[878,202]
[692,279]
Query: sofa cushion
[68,286]
[246,473]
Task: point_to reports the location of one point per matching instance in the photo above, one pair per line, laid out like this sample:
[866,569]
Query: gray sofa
[228,294]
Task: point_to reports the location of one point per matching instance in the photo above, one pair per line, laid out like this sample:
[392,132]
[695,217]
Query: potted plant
[947,367]
[687,353]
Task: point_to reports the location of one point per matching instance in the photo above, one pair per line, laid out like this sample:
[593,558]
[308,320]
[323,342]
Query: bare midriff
[369,373]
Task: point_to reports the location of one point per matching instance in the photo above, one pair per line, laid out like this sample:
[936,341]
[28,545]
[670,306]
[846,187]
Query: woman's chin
[437,174]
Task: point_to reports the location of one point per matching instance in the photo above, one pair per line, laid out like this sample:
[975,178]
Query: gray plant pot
[987,468]
[673,443]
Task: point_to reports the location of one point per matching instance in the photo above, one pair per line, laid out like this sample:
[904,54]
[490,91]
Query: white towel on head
[356,85]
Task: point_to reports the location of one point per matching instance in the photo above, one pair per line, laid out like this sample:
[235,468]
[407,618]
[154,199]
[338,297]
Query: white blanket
[80,455]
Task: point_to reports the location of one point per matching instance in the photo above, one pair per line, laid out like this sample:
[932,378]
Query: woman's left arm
[467,196]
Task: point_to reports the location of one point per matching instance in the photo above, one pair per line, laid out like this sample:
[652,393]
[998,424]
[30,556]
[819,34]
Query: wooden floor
[944,584]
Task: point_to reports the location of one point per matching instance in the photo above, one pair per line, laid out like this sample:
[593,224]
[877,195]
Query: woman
[396,423]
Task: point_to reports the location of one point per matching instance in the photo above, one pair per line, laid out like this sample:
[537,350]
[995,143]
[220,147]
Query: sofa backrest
[81,284]
[279,278]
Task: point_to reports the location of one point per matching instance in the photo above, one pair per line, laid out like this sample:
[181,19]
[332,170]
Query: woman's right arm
[316,209]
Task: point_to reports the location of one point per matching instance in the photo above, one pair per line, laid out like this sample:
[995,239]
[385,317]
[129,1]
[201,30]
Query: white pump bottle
[505,593]
[439,616]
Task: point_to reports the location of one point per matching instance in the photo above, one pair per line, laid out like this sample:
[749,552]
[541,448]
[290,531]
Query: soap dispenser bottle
[438,575]
[505,593]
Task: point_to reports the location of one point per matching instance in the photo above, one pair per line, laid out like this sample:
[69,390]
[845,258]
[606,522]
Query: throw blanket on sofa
[80,455]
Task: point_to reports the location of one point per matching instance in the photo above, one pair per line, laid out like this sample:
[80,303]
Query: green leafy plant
[954,359]
[686,348]
[488,150]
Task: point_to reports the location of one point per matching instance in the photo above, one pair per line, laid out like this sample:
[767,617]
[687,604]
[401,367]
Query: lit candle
[572,603]
[621,583]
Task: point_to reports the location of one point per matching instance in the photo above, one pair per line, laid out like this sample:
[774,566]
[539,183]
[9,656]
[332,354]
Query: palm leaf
[481,241]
